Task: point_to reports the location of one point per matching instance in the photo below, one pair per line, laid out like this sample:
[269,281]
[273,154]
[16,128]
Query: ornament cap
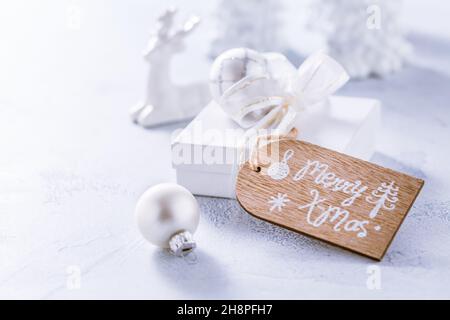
[181,243]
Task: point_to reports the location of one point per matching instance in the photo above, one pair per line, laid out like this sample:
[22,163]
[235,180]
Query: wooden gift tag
[342,200]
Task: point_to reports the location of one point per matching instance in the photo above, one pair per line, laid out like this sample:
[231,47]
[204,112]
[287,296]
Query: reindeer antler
[163,34]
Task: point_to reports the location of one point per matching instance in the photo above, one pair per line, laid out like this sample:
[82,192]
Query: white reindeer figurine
[165,101]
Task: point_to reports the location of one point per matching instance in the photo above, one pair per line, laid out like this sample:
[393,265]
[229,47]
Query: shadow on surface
[229,217]
[198,274]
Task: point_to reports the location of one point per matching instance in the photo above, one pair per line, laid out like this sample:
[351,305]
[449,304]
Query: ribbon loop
[319,77]
[273,98]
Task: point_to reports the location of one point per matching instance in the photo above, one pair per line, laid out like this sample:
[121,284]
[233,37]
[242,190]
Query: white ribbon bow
[273,100]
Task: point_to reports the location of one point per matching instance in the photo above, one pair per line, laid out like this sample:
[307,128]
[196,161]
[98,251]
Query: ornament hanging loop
[181,244]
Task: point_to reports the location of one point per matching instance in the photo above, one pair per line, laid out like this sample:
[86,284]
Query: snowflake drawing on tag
[278,202]
[384,197]
[280,170]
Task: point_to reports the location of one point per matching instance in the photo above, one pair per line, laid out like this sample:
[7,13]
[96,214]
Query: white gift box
[205,154]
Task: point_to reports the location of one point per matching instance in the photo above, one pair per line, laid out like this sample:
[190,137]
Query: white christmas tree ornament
[251,24]
[363,35]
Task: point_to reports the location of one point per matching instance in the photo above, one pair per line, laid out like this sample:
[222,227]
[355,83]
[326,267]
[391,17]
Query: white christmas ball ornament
[247,84]
[234,65]
[167,215]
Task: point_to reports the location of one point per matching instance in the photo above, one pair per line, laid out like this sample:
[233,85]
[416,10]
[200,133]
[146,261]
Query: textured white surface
[72,167]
